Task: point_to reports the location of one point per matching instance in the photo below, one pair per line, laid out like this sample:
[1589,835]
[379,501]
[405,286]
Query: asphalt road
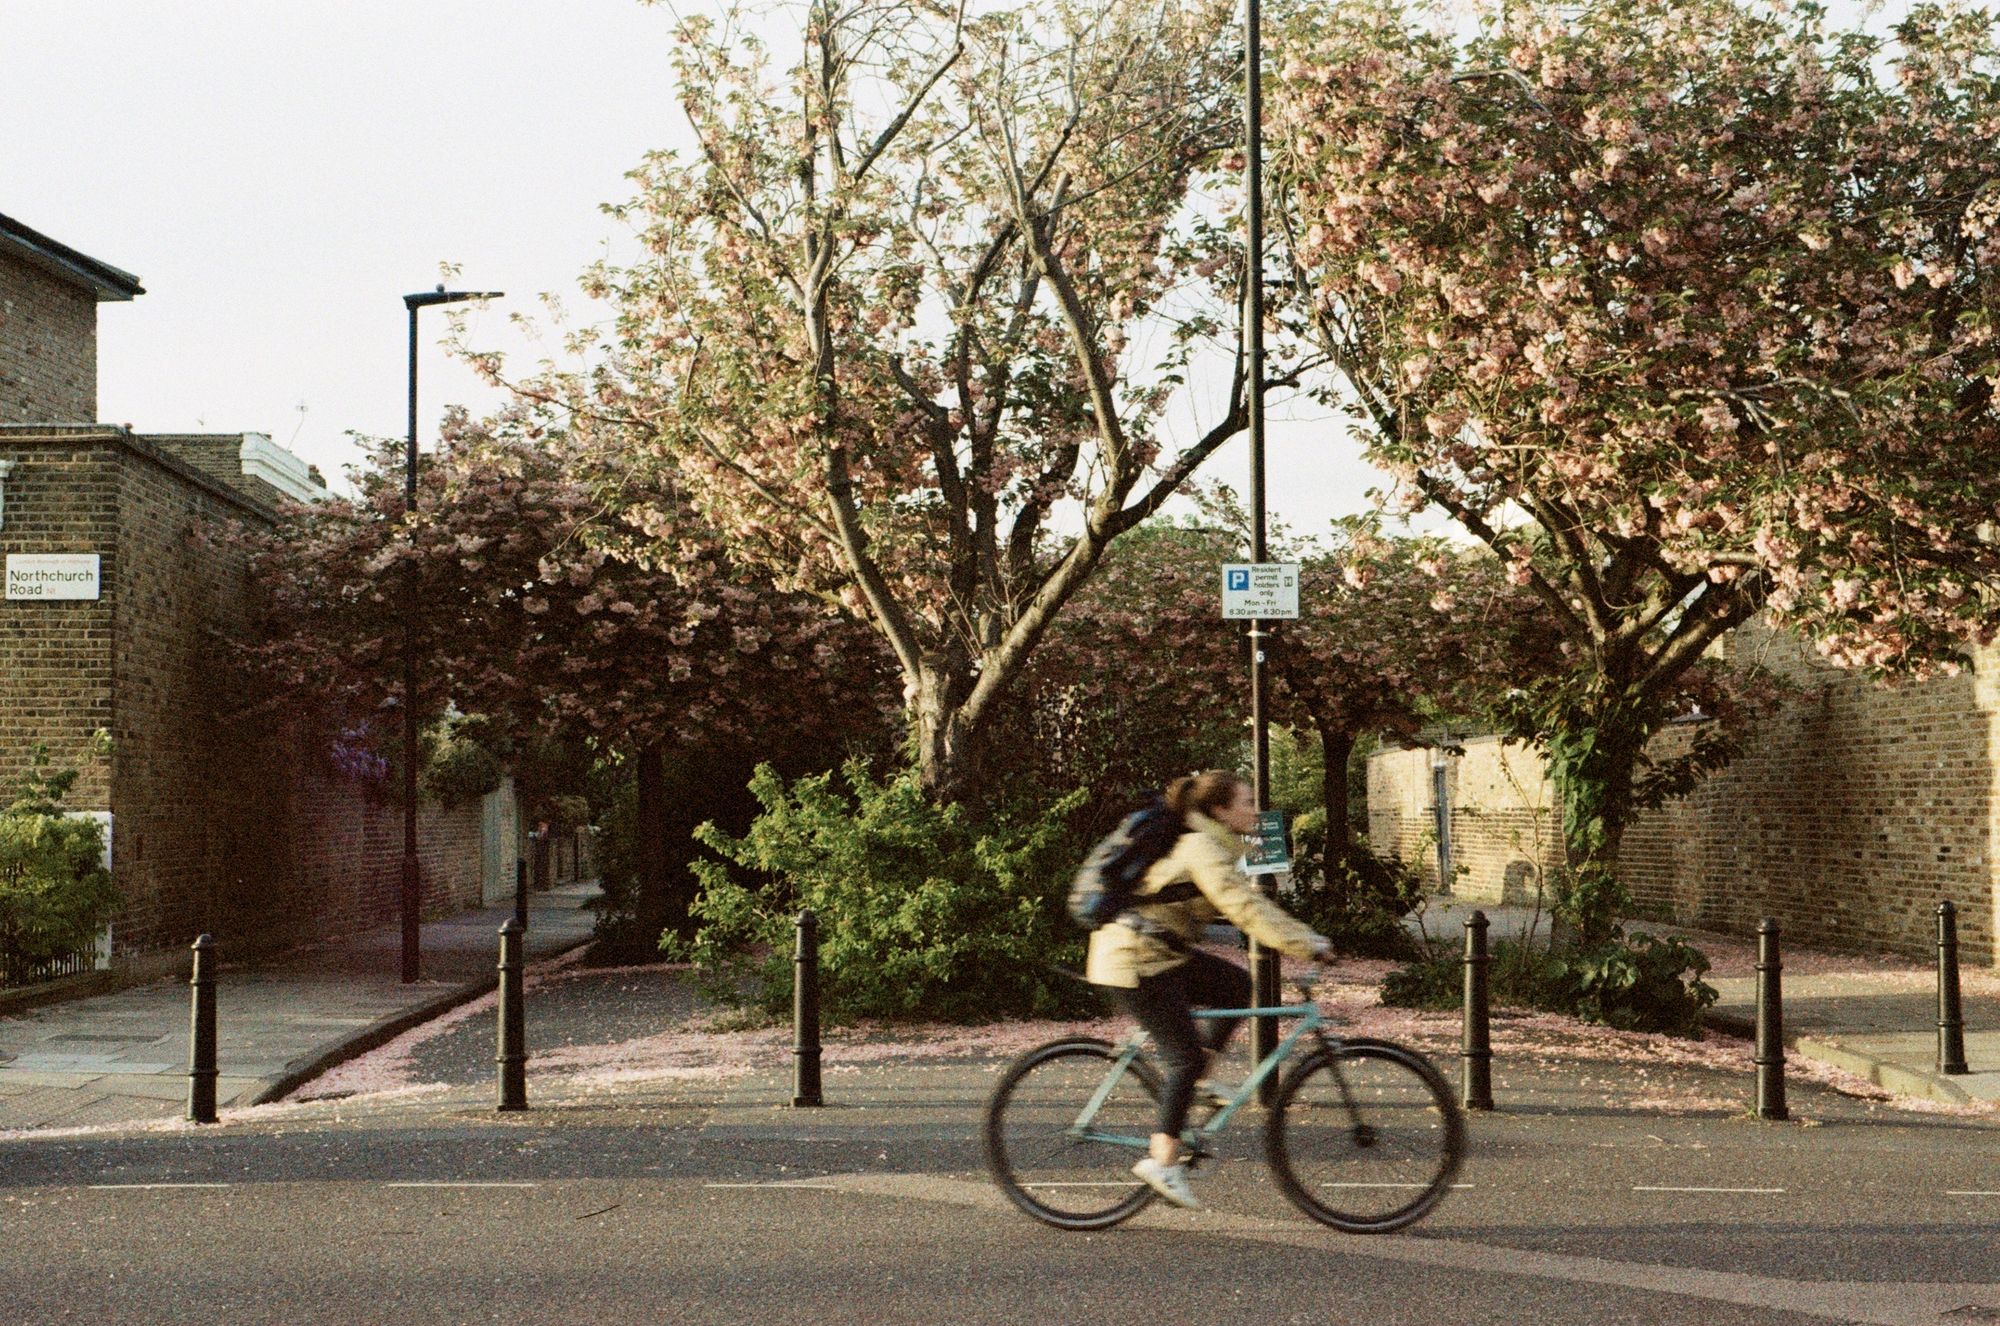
[706,1202]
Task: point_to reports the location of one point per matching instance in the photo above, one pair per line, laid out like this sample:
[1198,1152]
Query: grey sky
[279,172]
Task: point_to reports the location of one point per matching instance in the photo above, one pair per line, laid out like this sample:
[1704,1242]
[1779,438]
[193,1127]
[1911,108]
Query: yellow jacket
[1206,855]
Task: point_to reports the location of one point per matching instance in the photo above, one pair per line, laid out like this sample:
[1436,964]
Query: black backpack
[1117,866]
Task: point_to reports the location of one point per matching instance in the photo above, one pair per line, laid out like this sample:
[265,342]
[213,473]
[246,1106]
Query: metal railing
[16,970]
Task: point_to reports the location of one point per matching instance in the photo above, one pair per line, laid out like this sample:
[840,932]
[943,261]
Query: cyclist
[1148,961]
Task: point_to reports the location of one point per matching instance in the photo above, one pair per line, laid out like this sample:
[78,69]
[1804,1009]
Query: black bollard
[1951,1014]
[805,1013]
[1770,1025]
[201,1050]
[513,1052]
[521,892]
[1476,1086]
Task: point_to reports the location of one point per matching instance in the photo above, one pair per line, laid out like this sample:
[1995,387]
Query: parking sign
[1260,590]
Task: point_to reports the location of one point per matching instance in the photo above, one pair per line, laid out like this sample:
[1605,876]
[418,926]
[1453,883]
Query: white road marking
[1455,1186]
[460,1183]
[1641,1188]
[1969,1192]
[130,1187]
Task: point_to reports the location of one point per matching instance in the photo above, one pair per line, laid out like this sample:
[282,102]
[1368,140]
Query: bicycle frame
[1310,1022]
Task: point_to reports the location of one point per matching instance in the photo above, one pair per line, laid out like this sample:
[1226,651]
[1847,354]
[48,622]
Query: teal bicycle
[1363,1135]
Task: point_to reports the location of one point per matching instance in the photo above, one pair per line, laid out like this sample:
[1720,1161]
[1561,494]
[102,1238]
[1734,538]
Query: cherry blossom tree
[533,614]
[925,284]
[1394,632]
[537,614]
[1684,307]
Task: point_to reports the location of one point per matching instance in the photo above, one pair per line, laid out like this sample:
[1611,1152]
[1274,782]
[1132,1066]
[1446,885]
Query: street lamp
[412,894]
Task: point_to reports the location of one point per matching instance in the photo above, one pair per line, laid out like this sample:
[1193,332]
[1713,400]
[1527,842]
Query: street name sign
[1260,590]
[52,576]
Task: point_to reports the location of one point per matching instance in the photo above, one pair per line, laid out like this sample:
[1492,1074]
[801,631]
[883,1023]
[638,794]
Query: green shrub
[462,758]
[923,912]
[1359,903]
[55,894]
[1632,982]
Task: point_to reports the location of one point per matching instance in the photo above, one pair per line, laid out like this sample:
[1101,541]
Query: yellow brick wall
[1850,813]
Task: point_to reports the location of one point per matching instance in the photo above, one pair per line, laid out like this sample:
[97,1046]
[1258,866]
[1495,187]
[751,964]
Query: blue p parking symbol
[1238,580]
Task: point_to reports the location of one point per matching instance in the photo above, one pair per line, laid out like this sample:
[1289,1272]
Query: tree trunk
[1594,765]
[950,758]
[650,907]
[1338,749]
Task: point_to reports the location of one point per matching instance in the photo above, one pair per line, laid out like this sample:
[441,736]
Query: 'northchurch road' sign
[52,575]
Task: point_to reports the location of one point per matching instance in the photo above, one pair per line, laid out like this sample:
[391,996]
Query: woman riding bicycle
[1147,958]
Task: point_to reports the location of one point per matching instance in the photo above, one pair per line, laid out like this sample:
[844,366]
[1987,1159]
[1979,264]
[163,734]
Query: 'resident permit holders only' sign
[1260,590]
[52,576]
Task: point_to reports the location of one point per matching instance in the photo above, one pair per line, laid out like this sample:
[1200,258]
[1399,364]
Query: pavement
[1875,1017]
[123,1056]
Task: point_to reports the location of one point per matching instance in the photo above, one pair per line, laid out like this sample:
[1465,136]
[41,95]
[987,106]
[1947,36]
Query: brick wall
[48,347]
[1850,813]
[55,657]
[348,848]
[219,456]
[1505,834]
[222,822]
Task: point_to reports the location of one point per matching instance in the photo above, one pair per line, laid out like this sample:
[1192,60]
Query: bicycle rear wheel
[1365,1136]
[1060,1167]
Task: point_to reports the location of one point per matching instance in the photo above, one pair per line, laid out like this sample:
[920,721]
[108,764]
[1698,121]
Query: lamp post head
[426,298]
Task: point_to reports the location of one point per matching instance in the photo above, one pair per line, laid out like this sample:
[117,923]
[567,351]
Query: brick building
[1850,813]
[115,616]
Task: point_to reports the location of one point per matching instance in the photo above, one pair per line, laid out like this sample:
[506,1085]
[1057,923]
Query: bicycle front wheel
[1052,1154]
[1365,1136]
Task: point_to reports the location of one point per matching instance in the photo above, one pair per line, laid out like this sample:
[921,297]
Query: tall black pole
[411,894]
[1263,962]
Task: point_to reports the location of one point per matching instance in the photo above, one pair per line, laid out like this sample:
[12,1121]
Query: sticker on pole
[1269,853]
[1259,590]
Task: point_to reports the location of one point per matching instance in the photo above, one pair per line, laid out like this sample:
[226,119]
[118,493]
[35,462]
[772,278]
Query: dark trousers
[1165,1005]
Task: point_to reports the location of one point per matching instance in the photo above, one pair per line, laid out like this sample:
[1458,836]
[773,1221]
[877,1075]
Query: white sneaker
[1169,1181]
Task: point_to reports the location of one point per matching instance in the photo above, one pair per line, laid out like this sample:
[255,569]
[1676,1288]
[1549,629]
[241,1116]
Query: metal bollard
[201,1049]
[1770,1025]
[805,1013]
[513,1050]
[1476,1084]
[1951,1014]
[521,892]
